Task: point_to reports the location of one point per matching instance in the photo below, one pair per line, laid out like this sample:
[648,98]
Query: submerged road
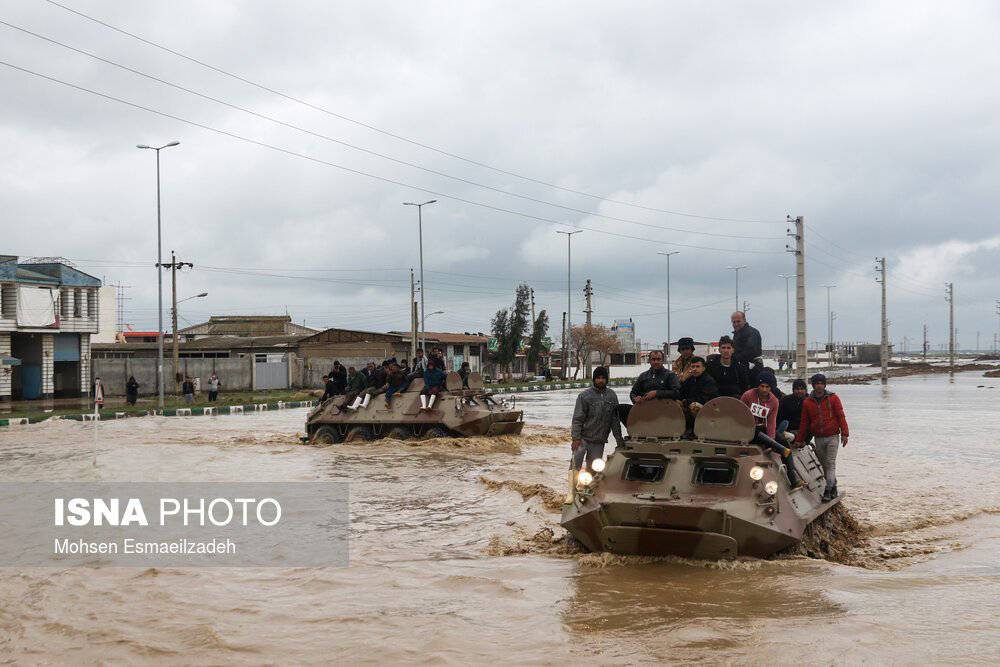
[443,567]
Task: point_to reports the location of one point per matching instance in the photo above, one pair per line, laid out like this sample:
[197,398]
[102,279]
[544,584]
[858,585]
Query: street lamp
[569,298]
[737,270]
[788,318]
[667,255]
[423,286]
[159,274]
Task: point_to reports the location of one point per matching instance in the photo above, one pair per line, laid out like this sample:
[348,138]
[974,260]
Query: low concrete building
[48,313]
[245,326]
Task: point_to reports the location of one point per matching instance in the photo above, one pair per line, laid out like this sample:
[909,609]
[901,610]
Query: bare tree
[589,338]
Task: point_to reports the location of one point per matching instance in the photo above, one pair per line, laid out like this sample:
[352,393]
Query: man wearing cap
[823,419]
[594,417]
[697,389]
[763,406]
[685,352]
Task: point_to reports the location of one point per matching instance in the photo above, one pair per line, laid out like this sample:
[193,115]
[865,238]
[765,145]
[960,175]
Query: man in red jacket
[823,418]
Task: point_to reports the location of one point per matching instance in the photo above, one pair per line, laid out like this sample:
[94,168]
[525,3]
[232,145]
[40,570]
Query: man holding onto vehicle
[823,418]
[594,418]
[763,406]
[656,383]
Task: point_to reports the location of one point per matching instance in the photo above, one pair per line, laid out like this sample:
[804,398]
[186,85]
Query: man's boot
[423,401]
[355,404]
[364,403]
[430,404]
[572,488]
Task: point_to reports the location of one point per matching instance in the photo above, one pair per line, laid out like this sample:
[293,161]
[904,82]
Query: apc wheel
[435,432]
[359,434]
[326,436]
[399,433]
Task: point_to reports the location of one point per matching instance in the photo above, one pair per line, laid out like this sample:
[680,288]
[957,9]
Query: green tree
[539,330]
[509,326]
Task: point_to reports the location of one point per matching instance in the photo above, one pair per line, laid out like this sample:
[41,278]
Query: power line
[392,134]
[368,174]
[383,156]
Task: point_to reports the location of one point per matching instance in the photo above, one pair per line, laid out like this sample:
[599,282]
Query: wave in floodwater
[836,537]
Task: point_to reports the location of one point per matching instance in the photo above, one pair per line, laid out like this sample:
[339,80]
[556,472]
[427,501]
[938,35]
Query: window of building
[77,303]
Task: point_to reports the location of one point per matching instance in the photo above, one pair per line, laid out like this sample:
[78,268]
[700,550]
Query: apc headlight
[756,473]
[584,478]
[771,488]
[597,465]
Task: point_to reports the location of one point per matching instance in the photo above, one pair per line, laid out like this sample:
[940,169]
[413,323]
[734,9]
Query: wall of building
[107,315]
[236,374]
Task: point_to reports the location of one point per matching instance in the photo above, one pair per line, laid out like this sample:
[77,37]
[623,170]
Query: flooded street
[444,570]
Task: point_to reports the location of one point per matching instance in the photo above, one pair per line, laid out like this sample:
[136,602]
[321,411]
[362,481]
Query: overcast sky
[878,122]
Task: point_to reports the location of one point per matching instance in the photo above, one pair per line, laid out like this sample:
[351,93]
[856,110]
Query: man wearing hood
[823,418]
[594,418]
[790,408]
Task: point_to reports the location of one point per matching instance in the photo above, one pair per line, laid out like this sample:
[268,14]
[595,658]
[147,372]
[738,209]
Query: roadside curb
[617,382]
[173,412]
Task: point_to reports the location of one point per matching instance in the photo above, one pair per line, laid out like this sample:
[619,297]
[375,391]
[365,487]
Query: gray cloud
[875,121]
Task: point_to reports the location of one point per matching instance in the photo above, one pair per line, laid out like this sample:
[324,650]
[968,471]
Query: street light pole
[159,272]
[829,324]
[667,255]
[423,287]
[737,270]
[569,296]
[788,317]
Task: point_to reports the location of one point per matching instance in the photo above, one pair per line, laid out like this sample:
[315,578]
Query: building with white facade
[48,312]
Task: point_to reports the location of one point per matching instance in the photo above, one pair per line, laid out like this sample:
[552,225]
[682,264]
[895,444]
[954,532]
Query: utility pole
[829,324]
[532,306]
[950,298]
[884,347]
[737,270]
[996,344]
[413,317]
[174,265]
[788,318]
[801,342]
[588,293]
[925,342]
[565,359]
[666,356]
[569,282]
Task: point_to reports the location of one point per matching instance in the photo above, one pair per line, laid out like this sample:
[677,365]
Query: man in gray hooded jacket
[594,418]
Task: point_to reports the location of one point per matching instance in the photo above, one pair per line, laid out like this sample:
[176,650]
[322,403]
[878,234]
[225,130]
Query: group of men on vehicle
[389,378]
[781,422]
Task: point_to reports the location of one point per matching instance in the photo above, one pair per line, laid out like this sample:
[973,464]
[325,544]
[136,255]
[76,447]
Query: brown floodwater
[456,555]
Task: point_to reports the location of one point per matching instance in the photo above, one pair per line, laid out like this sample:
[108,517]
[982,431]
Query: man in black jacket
[656,383]
[731,376]
[338,376]
[746,339]
[699,388]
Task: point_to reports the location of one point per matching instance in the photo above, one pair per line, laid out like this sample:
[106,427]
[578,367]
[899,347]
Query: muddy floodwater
[450,564]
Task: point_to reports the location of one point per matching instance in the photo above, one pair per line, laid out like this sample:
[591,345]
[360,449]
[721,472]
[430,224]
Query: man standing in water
[823,418]
[594,418]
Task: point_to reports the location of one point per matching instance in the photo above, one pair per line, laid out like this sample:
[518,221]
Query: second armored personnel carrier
[715,496]
[459,411]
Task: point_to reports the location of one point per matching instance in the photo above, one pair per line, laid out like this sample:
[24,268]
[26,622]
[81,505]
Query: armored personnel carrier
[715,496]
[458,411]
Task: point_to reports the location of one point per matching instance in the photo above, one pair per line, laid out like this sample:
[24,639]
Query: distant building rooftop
[248,326]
